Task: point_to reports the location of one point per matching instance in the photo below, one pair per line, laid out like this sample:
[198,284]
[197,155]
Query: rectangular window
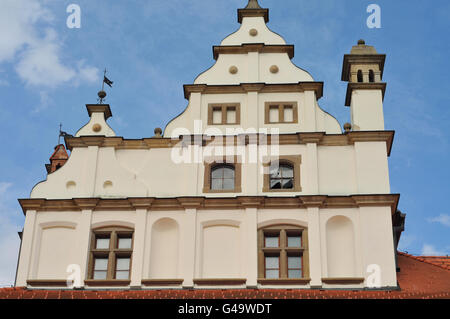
[231,115]
[224,114]
[122,268]
[274,114]
[124,243]
[288,114]
[111,251]
[295,241]
[272,267]
[102,243]
[294,267]
[217,115]
[272,241]
[100,268]
[281,112]
[282,251]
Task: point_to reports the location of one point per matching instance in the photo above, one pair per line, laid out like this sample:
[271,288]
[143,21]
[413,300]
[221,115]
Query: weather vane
[62,134]
[102,93]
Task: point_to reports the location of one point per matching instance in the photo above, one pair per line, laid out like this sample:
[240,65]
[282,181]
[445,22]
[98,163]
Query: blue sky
[48,73]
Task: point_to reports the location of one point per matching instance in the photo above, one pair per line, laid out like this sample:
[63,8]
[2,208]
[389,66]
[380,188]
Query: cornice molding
[319,138]
[317,87]
[203,203]
[253,13]
[363,86]
[253,47]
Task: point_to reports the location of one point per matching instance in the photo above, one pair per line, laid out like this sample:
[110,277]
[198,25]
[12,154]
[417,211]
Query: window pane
[216,184]
[217,116]
[288,114]
[287,184]
[101,264]
[102,243]
[124,243]
[231,115]
[272,274]
[295,262]
[228,172]
[286,171]
[123,264]
[122,274]
[217,172]
[275,184]
[275,171]
[294,273]
[271,242]
[99,274]
[273,115]
[272,263]
[228,184]
[294,241]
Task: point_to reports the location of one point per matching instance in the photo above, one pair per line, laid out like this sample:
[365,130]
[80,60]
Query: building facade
[253,185]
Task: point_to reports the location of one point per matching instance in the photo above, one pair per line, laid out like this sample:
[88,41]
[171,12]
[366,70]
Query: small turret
[363,70]
[58,159]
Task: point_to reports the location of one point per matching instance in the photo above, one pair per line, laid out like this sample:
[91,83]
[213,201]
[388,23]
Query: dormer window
[224,114]
[281,112]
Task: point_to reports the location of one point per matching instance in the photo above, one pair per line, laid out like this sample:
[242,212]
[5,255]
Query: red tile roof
[420,277]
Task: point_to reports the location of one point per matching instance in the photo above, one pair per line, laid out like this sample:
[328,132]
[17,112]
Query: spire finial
[253,9]
[253,4]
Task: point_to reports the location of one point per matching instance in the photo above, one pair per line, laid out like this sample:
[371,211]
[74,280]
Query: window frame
[283,252]
[112,253]
[214,162]
[224,108]
[294,161]
[281,106]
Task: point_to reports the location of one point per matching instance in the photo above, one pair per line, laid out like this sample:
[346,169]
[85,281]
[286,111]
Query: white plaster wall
[213,243]
[372,172]
[376,238]
[337,170]
[264,34]
[367,110]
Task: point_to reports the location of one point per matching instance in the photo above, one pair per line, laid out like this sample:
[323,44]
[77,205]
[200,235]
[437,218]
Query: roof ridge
[424,260]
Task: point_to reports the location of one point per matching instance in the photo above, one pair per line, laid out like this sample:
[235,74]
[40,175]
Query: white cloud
[443,219]
[429,250]
[37,57]
[9,240]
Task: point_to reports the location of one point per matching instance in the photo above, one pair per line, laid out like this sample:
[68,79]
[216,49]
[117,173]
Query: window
[281,112]
[282,174]
[222,176]
[224,114]
[371,76]
[111,250]
[282,253]
[360,76]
